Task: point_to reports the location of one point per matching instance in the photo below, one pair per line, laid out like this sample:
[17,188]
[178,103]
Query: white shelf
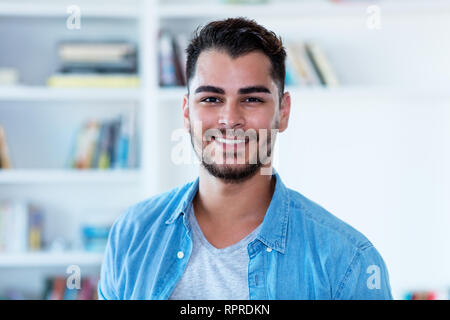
[172,93]
[302,9]
[130,9]
[55,8]
[49,259]
[29,93]
[31,176]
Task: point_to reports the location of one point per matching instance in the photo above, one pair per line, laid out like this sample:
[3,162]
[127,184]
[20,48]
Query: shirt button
[269,249]
[180,254]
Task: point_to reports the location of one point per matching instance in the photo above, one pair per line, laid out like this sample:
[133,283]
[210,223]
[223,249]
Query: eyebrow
[246,90]
[254,89]
[209,89]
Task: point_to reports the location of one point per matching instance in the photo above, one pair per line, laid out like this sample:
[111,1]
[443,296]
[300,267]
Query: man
[237,232]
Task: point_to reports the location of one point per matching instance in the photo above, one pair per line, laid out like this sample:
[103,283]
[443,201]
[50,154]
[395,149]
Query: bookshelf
[35,93]
[55,9]
[50,259]
[385,86]
[23,176]
[297,9]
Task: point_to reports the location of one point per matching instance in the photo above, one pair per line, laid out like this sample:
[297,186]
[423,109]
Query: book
[13,226]
[125,142]
[55,288]
[85,145]
[9,76]
[166,56]
[48,286]
[35,228]
[105,144]
[105,147]
[97,57]
[95,51]
[181,43]
[77,80]
[88,289]
[18,234]
[296,52]
[21,227]
[58,289]
[108,64]
[179,64]
[322,65]
[5,161]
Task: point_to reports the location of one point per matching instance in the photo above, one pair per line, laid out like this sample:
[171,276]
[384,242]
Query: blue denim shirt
[301,252]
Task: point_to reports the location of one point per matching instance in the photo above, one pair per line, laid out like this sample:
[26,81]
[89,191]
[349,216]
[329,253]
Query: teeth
[228,141]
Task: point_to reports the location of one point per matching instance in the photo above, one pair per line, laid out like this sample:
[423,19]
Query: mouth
[231,143]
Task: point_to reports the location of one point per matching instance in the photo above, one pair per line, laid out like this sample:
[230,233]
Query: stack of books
[105,144]
[21,227]
[5,161]
[56,288]
[438,294]
[308,65]
[172,59]
[96,64]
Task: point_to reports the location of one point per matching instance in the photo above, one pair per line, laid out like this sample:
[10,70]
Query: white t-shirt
[212,273]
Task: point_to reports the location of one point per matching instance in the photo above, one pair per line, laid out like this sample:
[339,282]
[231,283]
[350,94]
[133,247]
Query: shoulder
[151,212]
[348,256]
[321,223]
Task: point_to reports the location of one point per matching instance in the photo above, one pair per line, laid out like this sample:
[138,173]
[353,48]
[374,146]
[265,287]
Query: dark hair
[238,36]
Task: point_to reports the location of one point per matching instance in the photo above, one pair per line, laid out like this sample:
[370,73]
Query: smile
[230,141]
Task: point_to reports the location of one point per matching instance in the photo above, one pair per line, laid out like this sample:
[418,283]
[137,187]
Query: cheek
[261,121]
[203,115]
[200,123]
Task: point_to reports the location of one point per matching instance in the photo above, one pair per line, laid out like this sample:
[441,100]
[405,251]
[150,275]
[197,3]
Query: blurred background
[90,118]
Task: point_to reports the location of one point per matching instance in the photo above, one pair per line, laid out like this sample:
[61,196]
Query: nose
[231,116]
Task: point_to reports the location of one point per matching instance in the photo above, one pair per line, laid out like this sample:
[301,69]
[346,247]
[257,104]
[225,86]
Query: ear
[185,107]
[285,110]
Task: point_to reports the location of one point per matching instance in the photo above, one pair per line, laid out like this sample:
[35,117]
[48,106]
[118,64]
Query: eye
[210,100]
[253,100]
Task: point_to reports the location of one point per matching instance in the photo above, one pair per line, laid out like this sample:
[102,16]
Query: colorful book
[59,288]
[322,65]
[167,71]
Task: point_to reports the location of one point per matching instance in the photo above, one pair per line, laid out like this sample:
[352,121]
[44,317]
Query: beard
[231,173]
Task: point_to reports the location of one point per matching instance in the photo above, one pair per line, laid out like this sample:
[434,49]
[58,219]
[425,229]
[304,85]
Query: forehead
[217,68]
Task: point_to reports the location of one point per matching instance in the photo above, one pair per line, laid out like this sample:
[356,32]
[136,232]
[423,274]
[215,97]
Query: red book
[59,288]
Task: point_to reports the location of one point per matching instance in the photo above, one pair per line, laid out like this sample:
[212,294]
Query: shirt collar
[186,201]
[274,227]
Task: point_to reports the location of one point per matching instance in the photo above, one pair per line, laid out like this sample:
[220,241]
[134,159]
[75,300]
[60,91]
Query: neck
[226,204]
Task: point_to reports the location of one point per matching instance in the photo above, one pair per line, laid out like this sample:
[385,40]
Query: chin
[232,173]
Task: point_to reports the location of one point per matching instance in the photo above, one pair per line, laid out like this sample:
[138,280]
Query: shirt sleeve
[366,278]
[107,285]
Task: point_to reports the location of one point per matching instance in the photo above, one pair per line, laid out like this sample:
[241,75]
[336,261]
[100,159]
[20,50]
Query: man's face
[231,111]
